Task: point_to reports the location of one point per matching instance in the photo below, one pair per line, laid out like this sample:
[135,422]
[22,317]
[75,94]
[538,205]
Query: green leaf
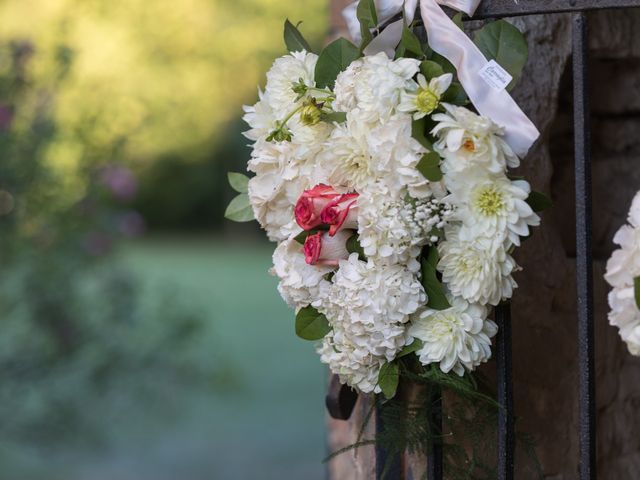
[446,65]
[409,349]
[293,39]
[409,42]
[437,299]
[238,182]
[331,117]
[539,201]
[418,128]
[239,210]
[504,43]
[431,69]
[429,167]
[388,379]
[311,324]
[366,13]
[456,95]
[353,246]
[636,290]
[457,19]
[302,236]
[335,57]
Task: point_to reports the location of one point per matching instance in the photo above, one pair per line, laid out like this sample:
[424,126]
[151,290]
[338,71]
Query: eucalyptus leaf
[311,324]
[409,349]
[539,201]
[418,128]
[409,43]
[238,181]
[636,290]
[504,43]
[429,167]
[239,210]
[388,379]
[293,39]
[431,69]
[437,299]
[335,58]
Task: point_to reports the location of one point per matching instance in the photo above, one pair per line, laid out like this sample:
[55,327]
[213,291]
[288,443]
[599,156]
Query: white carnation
[466,139]
[457,338]
[358,156]
[368,327]
[300,284]
[490,206]
[622,269]
[373,84]
[260,118]
[394,231]
[285,72]
[478,270]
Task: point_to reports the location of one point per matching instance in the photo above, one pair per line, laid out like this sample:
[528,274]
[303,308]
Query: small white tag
[496,76]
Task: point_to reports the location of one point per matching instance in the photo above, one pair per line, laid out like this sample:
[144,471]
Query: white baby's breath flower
[300,284]
[466,139]
[285,72]
[457,338]
[372,84]
[358,156]
[490,205]
[368,327]
[424,97]
[394,231]
[478,270]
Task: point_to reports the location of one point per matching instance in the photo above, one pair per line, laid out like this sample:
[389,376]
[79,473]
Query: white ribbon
[452,43]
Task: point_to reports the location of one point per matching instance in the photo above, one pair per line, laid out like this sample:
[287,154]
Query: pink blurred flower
[120,181]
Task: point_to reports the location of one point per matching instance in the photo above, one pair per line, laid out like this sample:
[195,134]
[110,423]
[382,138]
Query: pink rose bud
[311,204]
[341,213]
[324,249]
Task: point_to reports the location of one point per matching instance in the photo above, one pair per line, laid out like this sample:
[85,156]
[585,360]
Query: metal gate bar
[512,8]
[506,418]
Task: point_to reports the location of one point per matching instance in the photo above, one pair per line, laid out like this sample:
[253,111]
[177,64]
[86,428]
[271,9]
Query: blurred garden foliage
[106,106]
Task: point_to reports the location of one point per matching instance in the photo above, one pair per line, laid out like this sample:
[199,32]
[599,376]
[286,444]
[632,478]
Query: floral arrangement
[623,274]
[391,203]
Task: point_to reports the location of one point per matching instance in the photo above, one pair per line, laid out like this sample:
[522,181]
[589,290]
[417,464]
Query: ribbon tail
[452,43]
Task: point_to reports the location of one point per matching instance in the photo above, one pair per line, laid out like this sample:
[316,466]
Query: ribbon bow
[452,43]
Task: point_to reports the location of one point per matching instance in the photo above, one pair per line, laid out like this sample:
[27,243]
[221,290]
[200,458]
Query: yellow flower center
[310,115]
[469,145]
[427,100]
[489,201]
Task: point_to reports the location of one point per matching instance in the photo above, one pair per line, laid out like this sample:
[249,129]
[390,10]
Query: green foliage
[418,129]
[409,349]
[311,324]
[239,210]
[636,290]
[431,69]
[293,39]
[368,17]
[335,58]
[432,285]
[539,201]
[504,43]
[389,378]
[429,167]
[410,45]
[238,181]
[456,95]
[339,117]
[353,246]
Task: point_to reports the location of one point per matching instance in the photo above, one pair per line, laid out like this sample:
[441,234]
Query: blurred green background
[141,337]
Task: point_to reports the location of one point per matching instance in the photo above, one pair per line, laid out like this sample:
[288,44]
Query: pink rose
[310,205]
[341,213]
[323,249]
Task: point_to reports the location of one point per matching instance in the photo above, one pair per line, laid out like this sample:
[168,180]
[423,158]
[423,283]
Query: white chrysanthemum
[358,156]
[285,72]
[373,84]
[424,97]
[260,118]
[457,338]
[394,231]
[478,270]
[368,306]
[300,284]
[622,269]
[467,139]
[490,206]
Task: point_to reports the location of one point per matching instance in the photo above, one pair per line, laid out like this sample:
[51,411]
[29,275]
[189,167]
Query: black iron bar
[584,268]
[388,466]
[434,454]
[506,428]
[512,8]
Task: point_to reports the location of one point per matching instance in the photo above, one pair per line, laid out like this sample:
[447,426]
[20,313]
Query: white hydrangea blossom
[373,85]
[300,284]
[478,270]
[358,157]
[457,338]
[394,231]
[466,139]
[490,205]
[622,268]
[260,118]
[368,327]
